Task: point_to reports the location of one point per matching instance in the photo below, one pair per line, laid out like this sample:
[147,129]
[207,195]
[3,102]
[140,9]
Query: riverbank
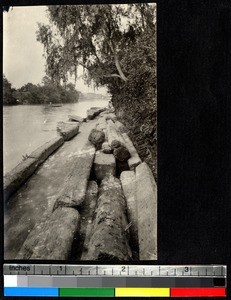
[92,193]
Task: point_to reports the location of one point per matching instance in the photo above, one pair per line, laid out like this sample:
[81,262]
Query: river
[26,127]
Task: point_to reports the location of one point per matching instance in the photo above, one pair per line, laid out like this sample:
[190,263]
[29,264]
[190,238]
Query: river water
[26,127]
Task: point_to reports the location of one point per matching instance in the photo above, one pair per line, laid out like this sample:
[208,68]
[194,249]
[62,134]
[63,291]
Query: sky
[22,53]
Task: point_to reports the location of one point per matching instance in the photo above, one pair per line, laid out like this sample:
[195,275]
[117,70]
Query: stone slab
[146,195]
[128,181]
[134,160]
[104,164]
[53,237]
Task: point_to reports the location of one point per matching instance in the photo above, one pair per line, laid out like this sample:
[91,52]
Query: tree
[8,98]
[95,37]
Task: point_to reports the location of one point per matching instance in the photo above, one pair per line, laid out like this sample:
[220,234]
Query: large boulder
[96,137]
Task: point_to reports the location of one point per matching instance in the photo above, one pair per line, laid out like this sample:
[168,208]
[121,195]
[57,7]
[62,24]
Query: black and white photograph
[80,132]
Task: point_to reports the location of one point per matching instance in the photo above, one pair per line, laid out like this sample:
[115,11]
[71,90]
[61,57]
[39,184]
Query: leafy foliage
[39,94]
[8,98]
[116,46]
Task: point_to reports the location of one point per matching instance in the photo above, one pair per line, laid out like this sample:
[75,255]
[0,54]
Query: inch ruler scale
[114,280]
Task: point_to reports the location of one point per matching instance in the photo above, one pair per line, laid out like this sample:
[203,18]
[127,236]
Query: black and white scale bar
[205,271]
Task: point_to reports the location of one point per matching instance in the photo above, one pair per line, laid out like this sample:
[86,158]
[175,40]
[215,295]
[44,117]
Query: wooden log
[53,237]
[87,212]
[67,130]
[43,152]
[134,160]
[19,175]
[128,181]
[76,118]
[109,236]
[104,164]
[73,191]
[94,111]
[120,126]
[113,133]
[146,195]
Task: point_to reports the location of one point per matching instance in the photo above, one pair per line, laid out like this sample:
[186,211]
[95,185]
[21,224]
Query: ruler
[115,280]
[115,270]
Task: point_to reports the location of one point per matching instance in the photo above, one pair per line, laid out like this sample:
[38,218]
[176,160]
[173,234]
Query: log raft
[99,209]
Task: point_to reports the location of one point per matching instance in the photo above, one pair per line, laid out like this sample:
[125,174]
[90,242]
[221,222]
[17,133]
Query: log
[104,164]
[120,126]
[87,212]
[146,195]
[134,160]
[94,111]
[128,181]
[109,236]
[53,237]
[43,152]
[19,175]
[76,118]
[67,130]
[113,133]
[73,191]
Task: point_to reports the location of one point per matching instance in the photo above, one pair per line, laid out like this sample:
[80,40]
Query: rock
[135,160]
[113,133]
[104,164]
[74,188]
[53,238]
[67,130]
[146,195]
[111,116]
[109,235]
[96,137]
[121,153]
[76,118]
[115,144]
[128,181]
[106,148]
